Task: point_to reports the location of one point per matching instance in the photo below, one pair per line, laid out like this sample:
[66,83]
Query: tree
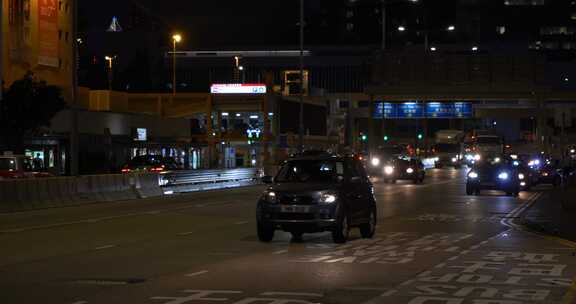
[27,105]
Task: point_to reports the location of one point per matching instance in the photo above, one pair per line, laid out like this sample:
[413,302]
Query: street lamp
[176,38]
[110,60]
[383,9]
[451,28]
[401,28]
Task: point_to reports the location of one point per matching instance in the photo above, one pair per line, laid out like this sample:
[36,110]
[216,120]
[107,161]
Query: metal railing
[202,177]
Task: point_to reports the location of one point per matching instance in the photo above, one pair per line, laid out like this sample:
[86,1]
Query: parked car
[317,193]
[404,169]
[150,163]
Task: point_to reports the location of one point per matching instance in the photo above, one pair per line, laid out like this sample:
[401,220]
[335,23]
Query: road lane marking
[194,274]
[280,251]
[186,233]
[389,293]
[241,223]
[104,247]
[304,294]
[80,302]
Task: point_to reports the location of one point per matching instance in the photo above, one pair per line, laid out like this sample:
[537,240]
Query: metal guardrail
[199,177]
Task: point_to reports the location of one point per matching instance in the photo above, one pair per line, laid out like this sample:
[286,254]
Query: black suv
[314,194]
[494,174]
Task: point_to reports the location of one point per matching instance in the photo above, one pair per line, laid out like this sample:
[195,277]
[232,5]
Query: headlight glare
[328,198]
[270,197]
[503,176]
[409,170]
[389,170]
[473,175]
[375,161]
[521,176]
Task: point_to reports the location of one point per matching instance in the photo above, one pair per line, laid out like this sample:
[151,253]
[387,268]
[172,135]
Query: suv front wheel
[367,230]
[341,232]
[265,232]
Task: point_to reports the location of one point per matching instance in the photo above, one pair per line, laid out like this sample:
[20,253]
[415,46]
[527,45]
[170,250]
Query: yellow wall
[23,56]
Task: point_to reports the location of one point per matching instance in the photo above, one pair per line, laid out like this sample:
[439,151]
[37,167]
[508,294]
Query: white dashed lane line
[104,247]
[241,223]
[195,274]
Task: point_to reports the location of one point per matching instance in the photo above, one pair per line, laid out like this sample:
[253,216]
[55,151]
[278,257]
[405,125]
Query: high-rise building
[38,37]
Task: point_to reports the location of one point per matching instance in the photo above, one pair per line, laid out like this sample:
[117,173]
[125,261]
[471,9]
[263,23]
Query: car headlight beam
[270,197]
[521,176]
[328,198]
[409,170]
[375,161]
[389,170]
[473,175]
[503,176]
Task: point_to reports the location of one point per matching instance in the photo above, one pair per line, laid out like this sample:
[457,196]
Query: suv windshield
[302,171]
[488,140]
[7,164]
[447,148]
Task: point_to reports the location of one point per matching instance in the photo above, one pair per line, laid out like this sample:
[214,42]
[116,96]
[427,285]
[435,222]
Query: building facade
[38,37]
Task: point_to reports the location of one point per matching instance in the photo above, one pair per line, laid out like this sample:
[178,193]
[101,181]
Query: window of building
[524,2]
[558,30]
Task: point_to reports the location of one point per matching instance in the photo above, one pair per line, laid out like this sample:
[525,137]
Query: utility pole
[301,114]
[384,12]
[74,154]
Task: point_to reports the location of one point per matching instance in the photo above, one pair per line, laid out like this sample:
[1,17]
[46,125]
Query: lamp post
[176,38]
[110,60]
[301,114]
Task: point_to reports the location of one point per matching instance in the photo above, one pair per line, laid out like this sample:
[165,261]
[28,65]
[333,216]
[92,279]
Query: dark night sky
[209,23]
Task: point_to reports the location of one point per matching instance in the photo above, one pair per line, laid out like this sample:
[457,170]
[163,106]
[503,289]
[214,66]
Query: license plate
[295,209]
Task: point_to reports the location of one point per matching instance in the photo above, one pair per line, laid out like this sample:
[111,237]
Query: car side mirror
[267,179]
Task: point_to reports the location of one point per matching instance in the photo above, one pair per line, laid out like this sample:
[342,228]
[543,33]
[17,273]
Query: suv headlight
[454,159]
[473,175]
[388,170]
[521,176]
[270,197]
[503,176]
[375,161]
[409,170]
[328,198]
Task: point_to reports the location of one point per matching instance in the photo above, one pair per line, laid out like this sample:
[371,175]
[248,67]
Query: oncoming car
[315,194]
[494,174]
[404,169]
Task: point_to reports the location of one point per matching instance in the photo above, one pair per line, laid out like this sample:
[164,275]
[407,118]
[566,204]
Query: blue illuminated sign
[410,110]
[463,110]
[440,110]
[413,109]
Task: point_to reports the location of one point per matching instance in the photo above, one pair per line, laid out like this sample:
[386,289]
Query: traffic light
[420,136]
[386,138]
[364,137]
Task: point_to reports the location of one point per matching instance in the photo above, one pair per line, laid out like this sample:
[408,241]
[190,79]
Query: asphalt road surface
[433,245]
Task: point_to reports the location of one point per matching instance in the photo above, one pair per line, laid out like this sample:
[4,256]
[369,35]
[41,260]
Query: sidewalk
[554,213]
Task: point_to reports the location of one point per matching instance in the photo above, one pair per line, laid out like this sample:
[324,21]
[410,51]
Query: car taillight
[125,170]
[157,169]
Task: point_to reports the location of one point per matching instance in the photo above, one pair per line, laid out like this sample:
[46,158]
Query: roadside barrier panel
[39,193]
[147,185]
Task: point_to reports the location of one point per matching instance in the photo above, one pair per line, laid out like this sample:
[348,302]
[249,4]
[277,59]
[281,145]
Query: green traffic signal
[386,138]
[420,136]
[364,137]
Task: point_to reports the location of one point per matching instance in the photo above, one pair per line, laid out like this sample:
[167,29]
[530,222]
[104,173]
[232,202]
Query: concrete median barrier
[147,185]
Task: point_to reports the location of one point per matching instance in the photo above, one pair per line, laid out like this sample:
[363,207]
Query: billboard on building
[48,33]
